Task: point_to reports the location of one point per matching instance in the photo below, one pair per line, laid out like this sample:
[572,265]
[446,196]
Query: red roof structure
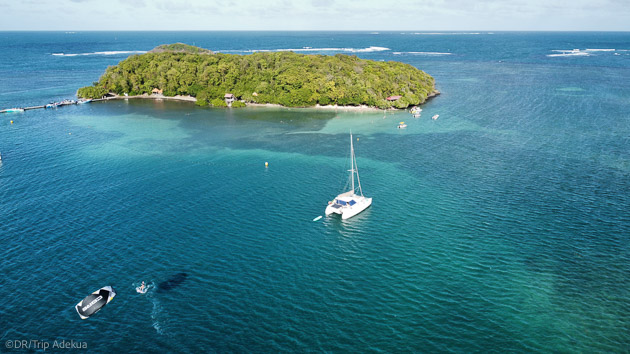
[394,98]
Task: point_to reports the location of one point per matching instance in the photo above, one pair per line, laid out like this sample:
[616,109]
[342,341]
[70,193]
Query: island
[284,78]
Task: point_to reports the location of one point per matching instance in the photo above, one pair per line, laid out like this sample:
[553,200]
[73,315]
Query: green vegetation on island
[285,78]
[180,48]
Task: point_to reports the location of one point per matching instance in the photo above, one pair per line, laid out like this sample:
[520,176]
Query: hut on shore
[156,91]
[229,98]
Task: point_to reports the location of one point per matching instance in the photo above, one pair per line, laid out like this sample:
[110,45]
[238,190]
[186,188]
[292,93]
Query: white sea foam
[579,52]
[446,33]
[571,54]
[112,52]
[156,313]
[310,49]
[422,53]
[568,53]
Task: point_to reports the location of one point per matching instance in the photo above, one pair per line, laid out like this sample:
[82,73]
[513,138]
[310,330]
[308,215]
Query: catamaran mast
[352,163]
[355,167]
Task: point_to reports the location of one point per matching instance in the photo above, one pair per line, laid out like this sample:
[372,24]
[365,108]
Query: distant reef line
[183,72]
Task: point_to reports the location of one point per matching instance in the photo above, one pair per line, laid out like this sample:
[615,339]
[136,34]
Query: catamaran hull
[347,212]
[356,209]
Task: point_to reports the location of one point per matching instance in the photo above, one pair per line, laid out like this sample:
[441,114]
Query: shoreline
[153,97]
[328,107]
[361,108]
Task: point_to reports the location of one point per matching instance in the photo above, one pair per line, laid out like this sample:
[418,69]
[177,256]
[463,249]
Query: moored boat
[350,203]
[415,110]
[66,102]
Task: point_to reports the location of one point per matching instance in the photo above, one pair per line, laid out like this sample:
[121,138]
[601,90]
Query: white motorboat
[435,117]
[349,204]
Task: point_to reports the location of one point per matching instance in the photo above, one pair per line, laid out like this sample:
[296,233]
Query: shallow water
[503,225]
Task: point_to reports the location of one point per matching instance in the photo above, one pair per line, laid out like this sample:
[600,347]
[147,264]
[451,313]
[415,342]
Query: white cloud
[410,15]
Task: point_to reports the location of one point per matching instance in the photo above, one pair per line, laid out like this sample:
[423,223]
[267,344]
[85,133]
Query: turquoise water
[501,226]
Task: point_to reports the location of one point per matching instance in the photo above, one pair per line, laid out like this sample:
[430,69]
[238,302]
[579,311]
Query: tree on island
[285,78]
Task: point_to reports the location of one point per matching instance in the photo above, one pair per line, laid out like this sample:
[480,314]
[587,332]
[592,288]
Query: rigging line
[356,168]
[344,181]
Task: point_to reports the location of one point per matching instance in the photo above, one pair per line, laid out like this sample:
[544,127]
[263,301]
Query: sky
[368,15]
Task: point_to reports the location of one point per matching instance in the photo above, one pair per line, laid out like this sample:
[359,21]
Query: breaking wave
[421,53]
[113,52]
[303,49]
[568,53]
[446,33]
[311,49]
[582,52]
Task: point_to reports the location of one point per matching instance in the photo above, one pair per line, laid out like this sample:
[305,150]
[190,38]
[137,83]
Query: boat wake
[157,310]
[156,314]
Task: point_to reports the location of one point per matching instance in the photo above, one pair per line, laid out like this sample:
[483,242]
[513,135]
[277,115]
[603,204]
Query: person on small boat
[141,288]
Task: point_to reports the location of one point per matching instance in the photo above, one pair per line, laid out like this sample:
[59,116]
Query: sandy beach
[362,108]
[328,107]
[249,104]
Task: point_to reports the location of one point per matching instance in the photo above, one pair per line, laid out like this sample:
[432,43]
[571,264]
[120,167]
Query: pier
[50,105]
[34,107]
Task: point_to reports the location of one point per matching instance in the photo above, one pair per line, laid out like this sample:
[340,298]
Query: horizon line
[299,30]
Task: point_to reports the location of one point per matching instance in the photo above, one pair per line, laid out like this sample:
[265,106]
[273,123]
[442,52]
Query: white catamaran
[350,203]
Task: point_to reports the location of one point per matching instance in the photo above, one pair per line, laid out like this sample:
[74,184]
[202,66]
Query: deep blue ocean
[502,226]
